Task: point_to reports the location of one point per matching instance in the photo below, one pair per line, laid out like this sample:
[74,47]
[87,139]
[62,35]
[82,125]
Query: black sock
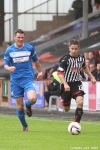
[78,114]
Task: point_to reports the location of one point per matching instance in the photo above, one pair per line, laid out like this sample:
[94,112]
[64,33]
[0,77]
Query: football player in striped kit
[69,72]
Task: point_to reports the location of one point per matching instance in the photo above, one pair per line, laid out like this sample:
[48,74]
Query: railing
[27,19]
[66,30]
[37,13]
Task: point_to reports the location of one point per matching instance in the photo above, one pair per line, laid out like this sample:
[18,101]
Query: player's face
[19,39]
[74,49]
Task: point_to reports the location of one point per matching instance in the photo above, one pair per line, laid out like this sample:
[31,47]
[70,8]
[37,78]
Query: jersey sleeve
[62,64]
[7,59]
[34,55]
[83,64]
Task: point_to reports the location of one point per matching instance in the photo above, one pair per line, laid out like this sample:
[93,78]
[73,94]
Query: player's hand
[66,87]
[40,76]
[93,80]
[12,69]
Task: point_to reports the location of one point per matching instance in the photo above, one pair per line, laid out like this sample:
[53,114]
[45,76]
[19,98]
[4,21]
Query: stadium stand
[55,44]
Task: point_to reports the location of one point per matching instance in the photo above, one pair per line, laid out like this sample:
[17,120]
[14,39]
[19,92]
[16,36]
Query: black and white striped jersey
[71,67]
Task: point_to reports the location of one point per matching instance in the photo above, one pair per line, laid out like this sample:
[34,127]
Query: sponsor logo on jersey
[20,54]
[21,59]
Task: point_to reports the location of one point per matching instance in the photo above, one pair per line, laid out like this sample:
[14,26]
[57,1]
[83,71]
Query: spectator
[86,55]
[55,67]
[90,6]
[98,56]
[92,58]
[78,8]
[88,62]
[53,88]
[97,6]
[54,73]
[93,70]
[50,70]
[98,72]
[45,74]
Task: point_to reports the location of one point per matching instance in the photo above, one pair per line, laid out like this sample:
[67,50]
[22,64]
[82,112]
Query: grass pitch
[45,134]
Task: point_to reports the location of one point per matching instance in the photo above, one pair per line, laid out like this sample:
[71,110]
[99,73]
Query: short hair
[74,42]
[19,31]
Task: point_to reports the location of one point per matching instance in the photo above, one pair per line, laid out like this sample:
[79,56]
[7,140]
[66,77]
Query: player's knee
[20,107]
[33,100]
[66,108]
[32,97]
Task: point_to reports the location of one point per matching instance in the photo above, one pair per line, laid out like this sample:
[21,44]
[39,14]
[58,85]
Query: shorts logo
[80,87]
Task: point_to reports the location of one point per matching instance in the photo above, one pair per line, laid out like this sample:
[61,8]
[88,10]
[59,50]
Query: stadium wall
[91,97]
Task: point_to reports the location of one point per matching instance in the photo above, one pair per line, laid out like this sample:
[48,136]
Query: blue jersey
[21,59]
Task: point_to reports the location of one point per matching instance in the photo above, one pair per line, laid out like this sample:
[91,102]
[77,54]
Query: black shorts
[75,90]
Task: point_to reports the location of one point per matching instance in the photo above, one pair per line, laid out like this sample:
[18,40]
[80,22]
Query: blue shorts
[21,86]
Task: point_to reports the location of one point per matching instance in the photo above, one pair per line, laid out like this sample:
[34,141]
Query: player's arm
[60,72]
[62,79]
[7,61]
[37,64]
[88,72]
[38,67]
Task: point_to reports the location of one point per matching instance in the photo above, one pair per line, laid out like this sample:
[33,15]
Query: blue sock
[21,116]
[28,103]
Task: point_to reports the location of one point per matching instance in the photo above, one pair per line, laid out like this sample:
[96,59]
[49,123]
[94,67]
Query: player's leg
[67,108]
[17,93]
[31,95]
[66,100]
[78,95]
[20,113]
[79,109]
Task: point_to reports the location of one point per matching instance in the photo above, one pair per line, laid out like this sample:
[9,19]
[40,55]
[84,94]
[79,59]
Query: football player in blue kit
[18,60]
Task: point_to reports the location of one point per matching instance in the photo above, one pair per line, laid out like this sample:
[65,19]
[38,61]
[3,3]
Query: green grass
[45,134]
